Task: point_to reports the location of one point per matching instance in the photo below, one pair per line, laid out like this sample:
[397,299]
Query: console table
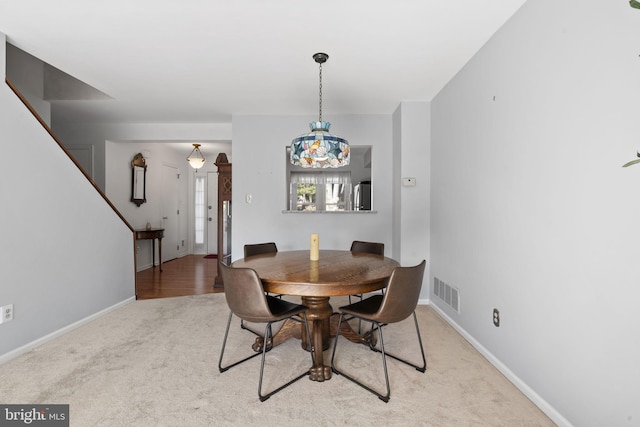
[153,234]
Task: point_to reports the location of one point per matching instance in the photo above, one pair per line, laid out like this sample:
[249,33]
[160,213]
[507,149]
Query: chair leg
[247,329]
[267,336]
[224,344]
[359,320]
[419,368]
[384,398]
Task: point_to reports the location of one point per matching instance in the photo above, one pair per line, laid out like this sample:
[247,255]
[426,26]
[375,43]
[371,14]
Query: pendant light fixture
[196,159]
[319,149]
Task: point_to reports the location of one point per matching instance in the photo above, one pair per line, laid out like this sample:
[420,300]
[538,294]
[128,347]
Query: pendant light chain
[320,104]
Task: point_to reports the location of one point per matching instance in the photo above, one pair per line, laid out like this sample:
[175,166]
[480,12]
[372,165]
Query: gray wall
[259,170]
[67,255]
[27,74]
[532,212]
[411,204]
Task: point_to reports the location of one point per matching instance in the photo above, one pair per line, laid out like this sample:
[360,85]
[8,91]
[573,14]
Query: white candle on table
[314,252]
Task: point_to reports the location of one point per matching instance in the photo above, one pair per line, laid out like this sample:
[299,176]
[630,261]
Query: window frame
[320,179]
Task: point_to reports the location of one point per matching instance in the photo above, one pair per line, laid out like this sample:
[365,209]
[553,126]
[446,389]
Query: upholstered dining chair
[397,303]
[370,248]
[246,299]
[253,249]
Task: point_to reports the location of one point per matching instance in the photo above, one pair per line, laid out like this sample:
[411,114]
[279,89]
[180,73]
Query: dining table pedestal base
[323,320]
[319,315]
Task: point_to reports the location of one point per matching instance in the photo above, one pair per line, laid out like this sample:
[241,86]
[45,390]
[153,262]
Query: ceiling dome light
[196,159]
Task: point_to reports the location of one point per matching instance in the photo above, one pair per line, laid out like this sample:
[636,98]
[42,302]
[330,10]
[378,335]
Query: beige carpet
[154,363]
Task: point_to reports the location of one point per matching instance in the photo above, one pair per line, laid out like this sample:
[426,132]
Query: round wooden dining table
[335,273]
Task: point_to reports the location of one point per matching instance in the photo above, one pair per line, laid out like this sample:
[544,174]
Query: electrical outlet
[7,313]
[496,317]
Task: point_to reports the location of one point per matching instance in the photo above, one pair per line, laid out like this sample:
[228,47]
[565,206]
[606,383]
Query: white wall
[532,212]
[96,134]
[258,147]
[157,153]
[67,255]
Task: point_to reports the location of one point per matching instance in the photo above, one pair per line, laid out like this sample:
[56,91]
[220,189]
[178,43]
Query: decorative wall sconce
[196,159]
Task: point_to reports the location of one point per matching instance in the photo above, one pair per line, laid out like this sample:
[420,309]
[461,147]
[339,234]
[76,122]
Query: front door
[170,212]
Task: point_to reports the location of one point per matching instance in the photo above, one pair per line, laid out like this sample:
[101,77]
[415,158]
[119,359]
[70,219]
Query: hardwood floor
[189,275]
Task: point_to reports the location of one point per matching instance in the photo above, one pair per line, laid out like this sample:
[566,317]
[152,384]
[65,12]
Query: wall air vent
[448,294]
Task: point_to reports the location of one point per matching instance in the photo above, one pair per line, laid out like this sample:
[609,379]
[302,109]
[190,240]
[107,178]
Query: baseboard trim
[37,343]
[144,267]
[537,400]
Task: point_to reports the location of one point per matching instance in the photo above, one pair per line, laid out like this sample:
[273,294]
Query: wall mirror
[138,180]
[342,189]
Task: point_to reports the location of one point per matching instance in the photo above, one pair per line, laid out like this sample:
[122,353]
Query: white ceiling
[199,61]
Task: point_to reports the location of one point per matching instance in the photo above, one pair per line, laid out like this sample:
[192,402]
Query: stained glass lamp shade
[319,148]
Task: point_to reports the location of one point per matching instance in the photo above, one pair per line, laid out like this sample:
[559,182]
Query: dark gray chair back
[259,248]
[368,247]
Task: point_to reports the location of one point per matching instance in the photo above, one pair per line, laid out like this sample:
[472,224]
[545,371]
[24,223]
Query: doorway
[212,212]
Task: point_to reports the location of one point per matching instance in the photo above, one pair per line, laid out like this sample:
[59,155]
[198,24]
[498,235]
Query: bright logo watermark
[34,415]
